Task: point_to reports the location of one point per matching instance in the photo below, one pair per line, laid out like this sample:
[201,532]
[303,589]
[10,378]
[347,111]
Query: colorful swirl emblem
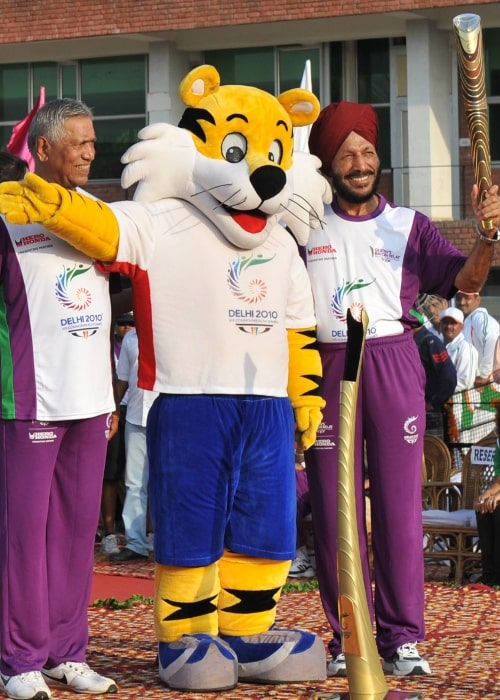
[78,298]
[338,303]
[256,289]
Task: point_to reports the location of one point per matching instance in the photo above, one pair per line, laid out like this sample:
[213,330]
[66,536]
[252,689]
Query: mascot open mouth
[250,221]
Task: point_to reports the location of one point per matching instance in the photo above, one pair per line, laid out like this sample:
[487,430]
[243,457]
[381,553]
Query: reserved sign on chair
[481,454]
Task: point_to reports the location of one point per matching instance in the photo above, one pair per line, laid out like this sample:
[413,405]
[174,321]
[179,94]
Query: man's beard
[347,194]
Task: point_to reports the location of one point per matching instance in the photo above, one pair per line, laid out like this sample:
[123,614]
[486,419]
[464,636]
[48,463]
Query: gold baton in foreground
[364,670]
[469,46]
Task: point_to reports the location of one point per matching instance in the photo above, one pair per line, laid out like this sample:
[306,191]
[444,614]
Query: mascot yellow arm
[304,383]
[87,224]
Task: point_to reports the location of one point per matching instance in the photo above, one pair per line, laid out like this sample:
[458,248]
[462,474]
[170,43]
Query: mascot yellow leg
[250,590]
[191,656]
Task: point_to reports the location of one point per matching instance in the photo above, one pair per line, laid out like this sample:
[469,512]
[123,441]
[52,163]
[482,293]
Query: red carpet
[120,587]
[121,581]
[461,645]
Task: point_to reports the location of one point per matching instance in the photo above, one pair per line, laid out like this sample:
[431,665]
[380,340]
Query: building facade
[125,59]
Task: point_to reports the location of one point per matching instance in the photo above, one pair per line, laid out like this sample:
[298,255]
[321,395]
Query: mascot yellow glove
[304,384]
[87,224]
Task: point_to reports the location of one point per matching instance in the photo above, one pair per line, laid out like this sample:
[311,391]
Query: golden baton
[365,676]
[469,46]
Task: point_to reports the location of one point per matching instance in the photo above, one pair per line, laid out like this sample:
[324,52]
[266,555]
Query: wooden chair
[437,459]
[449,518]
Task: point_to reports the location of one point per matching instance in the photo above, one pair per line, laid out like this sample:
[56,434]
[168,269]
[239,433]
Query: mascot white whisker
[226,328]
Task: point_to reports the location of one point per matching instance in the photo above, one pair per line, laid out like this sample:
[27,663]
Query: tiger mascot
[226,330]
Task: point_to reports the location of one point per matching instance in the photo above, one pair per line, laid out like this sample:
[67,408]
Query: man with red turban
[375,255]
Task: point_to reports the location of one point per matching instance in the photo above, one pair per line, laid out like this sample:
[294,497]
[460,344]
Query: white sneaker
[25,686]
[406,661]
[311,555]
[109,544]
[337,667]
[78,677]
[301,566]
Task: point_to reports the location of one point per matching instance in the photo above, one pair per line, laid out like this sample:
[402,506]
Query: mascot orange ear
[301,105]
[199,83]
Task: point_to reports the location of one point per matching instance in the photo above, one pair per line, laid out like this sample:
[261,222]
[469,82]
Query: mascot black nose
[268,181]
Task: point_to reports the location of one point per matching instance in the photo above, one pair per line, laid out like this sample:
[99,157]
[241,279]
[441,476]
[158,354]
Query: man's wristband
[482,237]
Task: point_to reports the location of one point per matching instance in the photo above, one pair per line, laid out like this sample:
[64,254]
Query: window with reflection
[292,69]
[374,88]
[252,66]
[114,88]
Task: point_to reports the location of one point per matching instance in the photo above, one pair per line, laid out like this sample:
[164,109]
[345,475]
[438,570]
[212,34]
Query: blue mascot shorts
[222,476]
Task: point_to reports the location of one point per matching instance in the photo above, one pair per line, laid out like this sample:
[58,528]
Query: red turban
[334,125]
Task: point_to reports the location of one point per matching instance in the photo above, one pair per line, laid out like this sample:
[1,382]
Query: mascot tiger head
[231,156]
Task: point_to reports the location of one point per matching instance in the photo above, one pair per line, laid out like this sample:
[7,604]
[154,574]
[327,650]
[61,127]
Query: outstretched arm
[87,224]
[473,275]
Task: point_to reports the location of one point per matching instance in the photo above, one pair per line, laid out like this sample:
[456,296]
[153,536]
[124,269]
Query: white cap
[452,312]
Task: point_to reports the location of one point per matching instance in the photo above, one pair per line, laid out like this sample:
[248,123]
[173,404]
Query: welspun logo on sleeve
[76,297]
[250,290]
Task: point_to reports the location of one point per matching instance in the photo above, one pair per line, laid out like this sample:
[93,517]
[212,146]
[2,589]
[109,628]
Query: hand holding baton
[469,46]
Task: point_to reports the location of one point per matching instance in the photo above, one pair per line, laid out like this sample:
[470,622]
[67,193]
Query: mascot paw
[161,163]
[198,662]
[279,656]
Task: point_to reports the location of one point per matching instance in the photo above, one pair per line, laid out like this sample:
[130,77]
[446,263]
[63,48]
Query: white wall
[429,119]
[167,67]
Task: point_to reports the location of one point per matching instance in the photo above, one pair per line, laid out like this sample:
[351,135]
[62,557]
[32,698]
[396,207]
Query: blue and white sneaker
[279,656]
[198,662]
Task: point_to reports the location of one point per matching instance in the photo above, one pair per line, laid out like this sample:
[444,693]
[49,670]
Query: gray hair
[50,119]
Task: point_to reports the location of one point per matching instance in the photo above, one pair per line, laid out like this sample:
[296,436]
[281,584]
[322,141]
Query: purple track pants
[50,489]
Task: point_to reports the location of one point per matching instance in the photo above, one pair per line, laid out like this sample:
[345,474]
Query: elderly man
[373,254]
[56,401]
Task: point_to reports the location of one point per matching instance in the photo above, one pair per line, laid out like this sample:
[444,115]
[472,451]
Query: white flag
[301,133]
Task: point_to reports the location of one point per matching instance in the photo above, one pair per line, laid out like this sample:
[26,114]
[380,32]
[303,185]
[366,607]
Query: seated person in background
[488,523]
[463,354]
